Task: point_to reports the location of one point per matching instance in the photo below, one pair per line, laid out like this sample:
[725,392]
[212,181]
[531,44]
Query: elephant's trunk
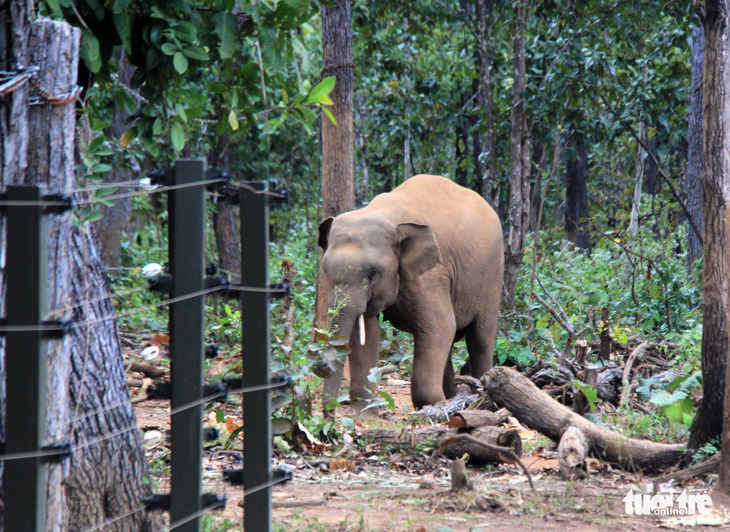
[344,323]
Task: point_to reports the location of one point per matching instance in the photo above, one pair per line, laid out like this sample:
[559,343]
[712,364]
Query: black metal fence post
[255,348]
[26,360]
[186,210]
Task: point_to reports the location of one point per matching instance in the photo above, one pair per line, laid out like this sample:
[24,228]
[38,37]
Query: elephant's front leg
[430,355]
[362,359]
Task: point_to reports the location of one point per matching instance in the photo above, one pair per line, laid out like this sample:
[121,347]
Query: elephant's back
[467,229]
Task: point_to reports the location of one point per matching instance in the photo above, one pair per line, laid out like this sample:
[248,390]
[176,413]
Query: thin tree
[338,191]
[694,151]
[715,182]
[519,196]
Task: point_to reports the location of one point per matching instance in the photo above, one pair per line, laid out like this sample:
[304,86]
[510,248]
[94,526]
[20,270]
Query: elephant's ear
[419,251]
[324,233]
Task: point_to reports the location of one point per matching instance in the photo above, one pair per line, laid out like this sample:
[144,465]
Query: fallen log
[572,452]
[539,411]
[454,446]
[711,465]
[423,435]
[148,369]
[478,418]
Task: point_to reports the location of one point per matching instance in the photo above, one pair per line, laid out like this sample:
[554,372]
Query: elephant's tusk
[361,323]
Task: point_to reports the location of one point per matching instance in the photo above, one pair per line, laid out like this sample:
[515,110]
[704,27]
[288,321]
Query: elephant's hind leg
[480,339]
[448,384]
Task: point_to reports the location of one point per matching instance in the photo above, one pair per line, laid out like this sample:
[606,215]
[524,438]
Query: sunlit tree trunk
[338,193]
[715,179]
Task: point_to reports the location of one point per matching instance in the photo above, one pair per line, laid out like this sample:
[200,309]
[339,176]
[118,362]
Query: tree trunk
[103,479]
[337,141]
[461,170]
[694,152]
[519,194]
[650,169]
[111,227]
[576,195]
[538,160]
[476,143]
[407,100]
[486,99]
[715,179]
[361,140]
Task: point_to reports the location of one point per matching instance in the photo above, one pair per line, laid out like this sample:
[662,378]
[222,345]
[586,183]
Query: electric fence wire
[201,293]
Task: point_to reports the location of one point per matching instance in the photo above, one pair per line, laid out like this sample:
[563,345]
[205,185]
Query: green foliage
[673,399]
[589,392]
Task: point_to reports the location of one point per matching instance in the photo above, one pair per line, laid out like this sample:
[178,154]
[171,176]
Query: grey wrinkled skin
[429,257]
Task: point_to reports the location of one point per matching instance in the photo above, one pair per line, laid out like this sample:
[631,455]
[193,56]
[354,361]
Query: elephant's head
[366,257]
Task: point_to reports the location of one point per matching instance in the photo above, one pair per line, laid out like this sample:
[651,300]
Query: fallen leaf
[159,339]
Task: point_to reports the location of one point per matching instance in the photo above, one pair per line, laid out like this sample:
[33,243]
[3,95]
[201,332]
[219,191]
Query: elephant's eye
[371,275]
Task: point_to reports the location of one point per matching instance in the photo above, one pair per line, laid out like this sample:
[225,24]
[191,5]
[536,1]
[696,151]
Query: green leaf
[168,48]
[196,52]
[106,191]
[121,5]
[324,87]
[101,168]
[329,115]
[96,144]
[180,62]
[662,398]
[220,415]
[94,217]
[178,137]
[388,399]
[89,51]
[180,110]
[218,87]
[225,28]
[123,23]
[158,126]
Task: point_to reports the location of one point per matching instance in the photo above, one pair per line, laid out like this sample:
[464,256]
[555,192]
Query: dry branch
[484,445]
[539,411]
[636,354]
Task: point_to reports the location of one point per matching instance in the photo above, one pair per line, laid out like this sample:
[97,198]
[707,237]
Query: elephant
[428,256]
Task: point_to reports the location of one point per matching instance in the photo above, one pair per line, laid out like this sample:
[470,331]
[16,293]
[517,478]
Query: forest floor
[366,488]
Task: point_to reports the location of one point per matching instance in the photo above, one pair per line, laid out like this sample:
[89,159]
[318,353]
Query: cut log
[453,447]
[539,411]
[151,371]
[572,452]
[609,381]
[423,435]
[478,418]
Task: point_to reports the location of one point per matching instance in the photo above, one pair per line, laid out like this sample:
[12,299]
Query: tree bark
[715,180]
[453,447]
[407,99]
[519,195]
[226,220]
[692,186]
[337,141]
[461,145]
[111,227]
[536,409]
[538,160]
[486,99]
[576,195]
[103,479]
[362,188]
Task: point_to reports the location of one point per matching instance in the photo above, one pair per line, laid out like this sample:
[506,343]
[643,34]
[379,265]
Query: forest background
[580,122]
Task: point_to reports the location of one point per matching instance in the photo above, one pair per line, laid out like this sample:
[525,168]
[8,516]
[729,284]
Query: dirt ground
[397,490]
